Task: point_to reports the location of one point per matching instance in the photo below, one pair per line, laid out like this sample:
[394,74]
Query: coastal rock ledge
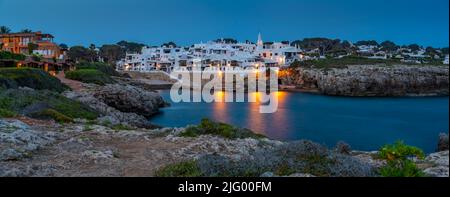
[31,147]
[371,80]
[131,99]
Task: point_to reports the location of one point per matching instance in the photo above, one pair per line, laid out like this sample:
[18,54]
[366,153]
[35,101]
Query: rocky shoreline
[41,148]
[122,142]
[120,104]
[371,80]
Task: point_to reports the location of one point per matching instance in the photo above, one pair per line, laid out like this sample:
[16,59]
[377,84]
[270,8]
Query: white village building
[212,54]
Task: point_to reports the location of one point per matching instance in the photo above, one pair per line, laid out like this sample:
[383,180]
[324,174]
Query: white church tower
[260,43]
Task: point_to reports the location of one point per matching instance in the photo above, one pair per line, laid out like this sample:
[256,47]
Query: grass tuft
[90,76]
[208,127]
[182,169]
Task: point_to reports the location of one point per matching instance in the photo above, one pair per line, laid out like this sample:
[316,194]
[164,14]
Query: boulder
[109,114]
[443,142]
[130,99]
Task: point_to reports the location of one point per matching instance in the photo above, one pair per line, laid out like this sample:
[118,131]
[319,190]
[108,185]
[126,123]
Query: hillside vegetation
[42,104]
[351,60]
[29,77]
[97,73]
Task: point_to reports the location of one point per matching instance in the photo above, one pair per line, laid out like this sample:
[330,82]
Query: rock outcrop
[372,80]
[129,99]
[18,140]
[437,164]
[109,114]
[120,104]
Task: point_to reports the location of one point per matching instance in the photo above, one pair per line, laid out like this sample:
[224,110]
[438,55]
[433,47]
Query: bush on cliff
[398,160]
[43,104]
[90,76]
[208,127]
[29,77]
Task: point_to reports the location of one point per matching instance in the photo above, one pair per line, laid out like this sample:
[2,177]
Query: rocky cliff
[371,80]
[120,104]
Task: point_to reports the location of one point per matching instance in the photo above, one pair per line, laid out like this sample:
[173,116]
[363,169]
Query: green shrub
[102,67]
[398,163]
[4,113]
[52,114]
[75,109]
[29,77]
[208,127]
[284,169]
[183,169]
[400,151]
[405,168]
[121,127]
[11,56]
[90,76]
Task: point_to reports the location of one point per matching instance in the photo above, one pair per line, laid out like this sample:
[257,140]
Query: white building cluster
[220,54]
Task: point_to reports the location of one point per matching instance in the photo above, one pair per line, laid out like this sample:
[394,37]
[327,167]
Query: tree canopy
[80,53]
[227,40]
[325,45]
[131,47]
[388,46]
[169,44]
[63,46]
[4,30]
[26,31]
[111,52]
[367,43]
[414,47]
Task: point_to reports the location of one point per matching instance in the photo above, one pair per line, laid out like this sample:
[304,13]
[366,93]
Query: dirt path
[74,85]
[101,151]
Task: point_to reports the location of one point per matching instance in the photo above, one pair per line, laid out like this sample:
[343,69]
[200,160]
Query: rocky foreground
[43,148]
[122,142]
[371,80]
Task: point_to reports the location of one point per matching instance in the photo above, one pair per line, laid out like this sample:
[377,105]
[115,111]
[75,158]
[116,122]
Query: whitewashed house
[212,54]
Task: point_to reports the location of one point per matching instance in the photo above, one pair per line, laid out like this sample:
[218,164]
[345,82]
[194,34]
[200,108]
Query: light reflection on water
[364,123]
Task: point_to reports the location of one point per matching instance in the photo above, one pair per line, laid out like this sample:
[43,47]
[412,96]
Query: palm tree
[4,30]
[26,31]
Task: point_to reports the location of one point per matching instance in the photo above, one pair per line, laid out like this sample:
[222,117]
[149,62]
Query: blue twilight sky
[153,22]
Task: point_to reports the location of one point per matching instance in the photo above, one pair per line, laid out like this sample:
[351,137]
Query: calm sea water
[364,123]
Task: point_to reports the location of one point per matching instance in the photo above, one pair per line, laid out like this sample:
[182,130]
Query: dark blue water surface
[364,123]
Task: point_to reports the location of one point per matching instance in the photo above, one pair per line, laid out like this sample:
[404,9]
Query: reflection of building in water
[220,110]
